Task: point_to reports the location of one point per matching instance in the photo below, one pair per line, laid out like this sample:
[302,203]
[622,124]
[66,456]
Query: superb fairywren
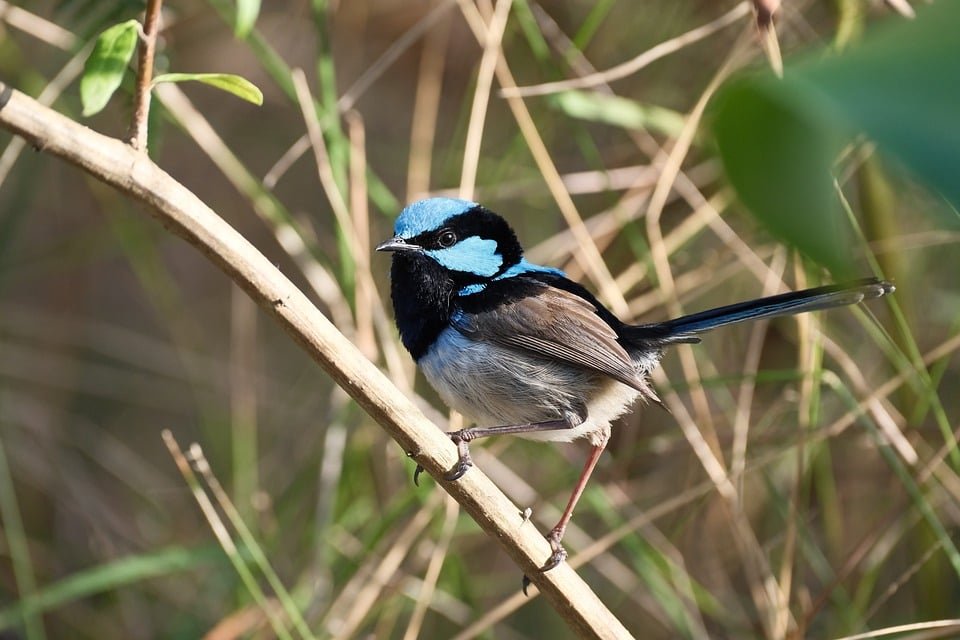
[520,349]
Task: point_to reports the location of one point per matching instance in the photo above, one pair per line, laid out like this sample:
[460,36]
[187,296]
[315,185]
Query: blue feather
[528,267]
[429,215]
[518,269]
[474,255]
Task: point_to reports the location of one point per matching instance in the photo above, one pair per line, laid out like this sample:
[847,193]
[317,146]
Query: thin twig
[349,98]
[288,234]
[145,52]
[630,67]
[945,626]
[588,255]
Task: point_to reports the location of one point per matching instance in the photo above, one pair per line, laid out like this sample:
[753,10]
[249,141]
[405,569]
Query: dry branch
[179,210]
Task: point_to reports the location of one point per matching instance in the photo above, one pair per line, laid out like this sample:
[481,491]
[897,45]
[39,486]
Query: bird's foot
[464,462]
[558,555]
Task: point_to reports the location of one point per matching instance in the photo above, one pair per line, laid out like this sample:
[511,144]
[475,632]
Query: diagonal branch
[179,210]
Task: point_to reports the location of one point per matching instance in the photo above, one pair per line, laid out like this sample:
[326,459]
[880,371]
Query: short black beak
[397,244]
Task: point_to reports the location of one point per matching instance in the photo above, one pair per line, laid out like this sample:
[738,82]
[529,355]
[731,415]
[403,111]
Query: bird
[520,349]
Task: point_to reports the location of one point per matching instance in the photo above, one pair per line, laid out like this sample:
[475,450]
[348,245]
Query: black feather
[422,292]
[685,328]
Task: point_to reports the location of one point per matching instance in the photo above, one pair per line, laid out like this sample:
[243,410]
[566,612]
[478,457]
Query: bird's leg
[463,437]
[556,534]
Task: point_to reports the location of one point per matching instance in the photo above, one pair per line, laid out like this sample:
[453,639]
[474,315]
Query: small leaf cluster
[110,59]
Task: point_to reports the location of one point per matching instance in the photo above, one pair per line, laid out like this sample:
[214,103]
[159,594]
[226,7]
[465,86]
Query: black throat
[422,292]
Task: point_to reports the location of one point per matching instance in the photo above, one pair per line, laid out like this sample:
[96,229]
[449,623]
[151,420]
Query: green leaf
[240,87]
[901,87]
[247,12]
[778,139]
[777,150]
[106,65]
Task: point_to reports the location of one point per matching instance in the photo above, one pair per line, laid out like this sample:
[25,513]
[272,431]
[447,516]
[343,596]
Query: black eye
[447,238]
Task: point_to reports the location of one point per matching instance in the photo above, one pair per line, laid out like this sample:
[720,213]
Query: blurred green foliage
[780,138]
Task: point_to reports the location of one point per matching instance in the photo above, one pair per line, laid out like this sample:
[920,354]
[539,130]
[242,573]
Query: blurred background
[804,483]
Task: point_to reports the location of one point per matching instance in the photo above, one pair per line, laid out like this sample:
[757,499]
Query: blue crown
[429,215]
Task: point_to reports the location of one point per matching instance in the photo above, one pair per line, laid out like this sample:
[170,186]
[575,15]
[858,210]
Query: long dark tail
[686,328]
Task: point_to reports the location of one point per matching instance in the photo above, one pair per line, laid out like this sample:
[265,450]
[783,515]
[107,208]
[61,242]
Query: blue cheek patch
[429,215]
[474,255]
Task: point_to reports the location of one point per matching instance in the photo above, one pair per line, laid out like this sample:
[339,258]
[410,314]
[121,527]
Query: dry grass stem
[322,283]
[202,466]
[349,98]
[941,627]
[429,584]
[222,533]
[594,265]
[661,263]
[426,107]
[289,157]
[365,296]
[481,97]
[751,365]
[358,596]
[38,27]
[902,7]
[630,67]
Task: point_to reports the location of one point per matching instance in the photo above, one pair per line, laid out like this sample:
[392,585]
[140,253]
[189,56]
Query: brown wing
[558,325]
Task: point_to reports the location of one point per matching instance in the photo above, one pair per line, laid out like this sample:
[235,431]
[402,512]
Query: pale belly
[491,386]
